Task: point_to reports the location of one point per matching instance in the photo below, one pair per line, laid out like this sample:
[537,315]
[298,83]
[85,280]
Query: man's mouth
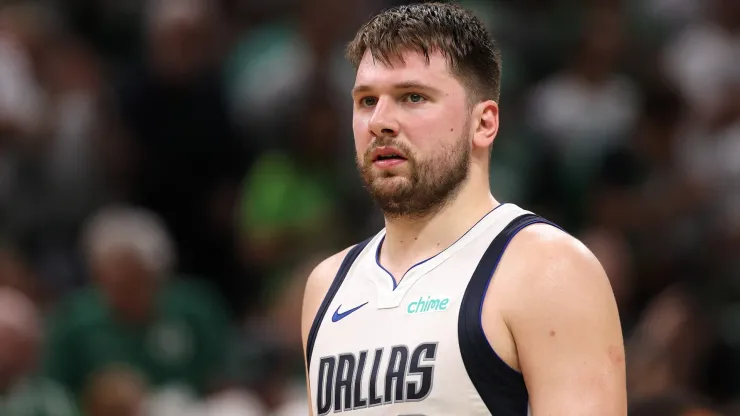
[386,153]
[390,157]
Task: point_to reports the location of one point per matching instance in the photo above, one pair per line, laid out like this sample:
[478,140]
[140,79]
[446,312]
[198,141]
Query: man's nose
[383,121]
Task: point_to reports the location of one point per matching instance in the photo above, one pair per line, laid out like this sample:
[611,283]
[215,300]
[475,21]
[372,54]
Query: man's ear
[485,123]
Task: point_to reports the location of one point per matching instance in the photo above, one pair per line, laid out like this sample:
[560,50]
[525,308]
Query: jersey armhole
[501,387]
[349,259]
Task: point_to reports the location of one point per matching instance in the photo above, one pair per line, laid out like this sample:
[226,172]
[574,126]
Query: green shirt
[37,396]
[185,345]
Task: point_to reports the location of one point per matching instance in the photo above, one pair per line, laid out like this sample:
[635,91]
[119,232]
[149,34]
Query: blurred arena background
[170,170]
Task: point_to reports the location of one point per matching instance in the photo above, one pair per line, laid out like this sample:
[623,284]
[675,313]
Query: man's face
[179,47]
[128,286]
[412,131]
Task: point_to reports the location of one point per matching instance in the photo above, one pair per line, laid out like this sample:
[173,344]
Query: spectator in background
[702,61]
[121,391]
[642,194]
[173,331]
[670,405]
[65,186]
[22,38]
[294,199]
[667,346]
[590,83]
[276,62]
[50,85]
[22,390]
[115,392]
[187,160]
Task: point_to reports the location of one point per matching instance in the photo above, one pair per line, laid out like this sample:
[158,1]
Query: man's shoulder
[543,249]
[322,276]
[544,262]
[553,314]
[555,244]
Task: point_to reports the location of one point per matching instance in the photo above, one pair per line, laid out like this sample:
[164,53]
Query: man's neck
[409,241]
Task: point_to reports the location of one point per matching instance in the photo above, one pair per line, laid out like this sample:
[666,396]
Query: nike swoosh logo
[339,316]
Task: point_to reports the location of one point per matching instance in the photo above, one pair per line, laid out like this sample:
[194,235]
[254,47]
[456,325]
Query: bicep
[569,341]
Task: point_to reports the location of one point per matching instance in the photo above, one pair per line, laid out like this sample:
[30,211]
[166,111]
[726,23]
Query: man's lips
[387,153]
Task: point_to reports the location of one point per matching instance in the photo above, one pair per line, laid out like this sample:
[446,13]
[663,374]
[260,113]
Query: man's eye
[368,101]
[415,98]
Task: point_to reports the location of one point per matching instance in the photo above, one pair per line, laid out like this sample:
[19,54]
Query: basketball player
[461,305]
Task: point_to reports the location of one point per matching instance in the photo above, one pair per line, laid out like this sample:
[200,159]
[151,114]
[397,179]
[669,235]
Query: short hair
[132,228]
[471,53]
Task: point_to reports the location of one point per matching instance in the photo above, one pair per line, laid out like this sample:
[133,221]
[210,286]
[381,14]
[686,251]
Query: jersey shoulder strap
[349,259]
[500,387]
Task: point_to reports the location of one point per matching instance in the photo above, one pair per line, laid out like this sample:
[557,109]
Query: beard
[426,186]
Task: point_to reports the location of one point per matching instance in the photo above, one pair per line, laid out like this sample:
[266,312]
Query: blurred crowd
[171,170]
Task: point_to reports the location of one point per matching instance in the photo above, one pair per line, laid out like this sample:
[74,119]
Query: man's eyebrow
[411,85]
[407,85]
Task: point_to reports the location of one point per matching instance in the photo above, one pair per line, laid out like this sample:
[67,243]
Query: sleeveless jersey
[416,347]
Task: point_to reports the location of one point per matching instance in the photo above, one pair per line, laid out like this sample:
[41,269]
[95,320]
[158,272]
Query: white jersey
[416,347]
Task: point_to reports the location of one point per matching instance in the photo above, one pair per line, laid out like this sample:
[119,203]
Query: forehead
[413,67]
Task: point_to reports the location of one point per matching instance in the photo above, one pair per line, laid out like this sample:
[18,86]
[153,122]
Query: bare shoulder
[547,273]
[556,304]
[323,274]
[551,263]
[317,285]
[543,273]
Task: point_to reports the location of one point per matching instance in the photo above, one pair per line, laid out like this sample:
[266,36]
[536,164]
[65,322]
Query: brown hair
[461,37]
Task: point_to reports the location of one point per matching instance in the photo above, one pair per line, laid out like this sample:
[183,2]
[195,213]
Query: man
[461,305]
[138,313]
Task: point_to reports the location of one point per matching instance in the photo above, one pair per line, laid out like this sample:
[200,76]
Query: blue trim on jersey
[350,258]
[377,261]
[514,232]
[501,387]
[393,280]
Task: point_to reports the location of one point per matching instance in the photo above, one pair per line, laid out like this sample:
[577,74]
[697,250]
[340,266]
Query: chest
[166,345]
[424,304]
[390,348]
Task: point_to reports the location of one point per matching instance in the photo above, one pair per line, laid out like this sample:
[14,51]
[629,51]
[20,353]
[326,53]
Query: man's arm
[317,286]
[565,326]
